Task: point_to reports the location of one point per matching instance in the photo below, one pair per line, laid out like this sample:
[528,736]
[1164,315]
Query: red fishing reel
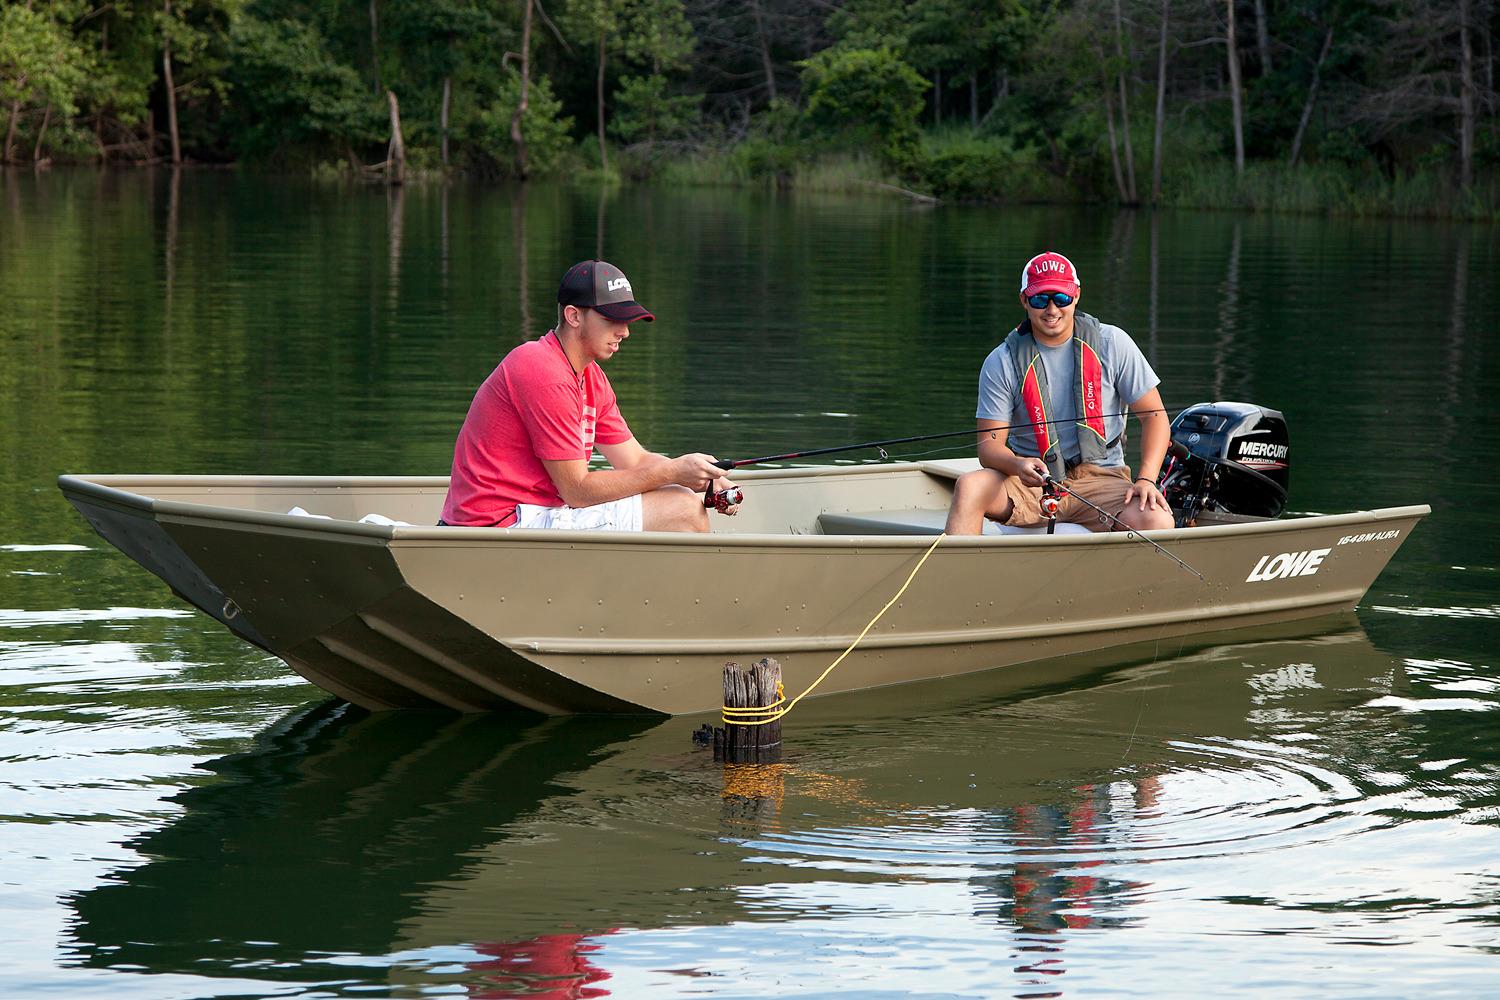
[722,500]
[1051,502]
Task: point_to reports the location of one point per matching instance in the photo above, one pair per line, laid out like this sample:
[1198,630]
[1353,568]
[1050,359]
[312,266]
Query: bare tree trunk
[1465,96]
[516,135]
[1125,107]
[1114,152]
[765,47]
[375,45]
[171,87]
[1161,105]
[443,116]
[41,134]
[974,101]
[395,158]
[1489,61]
[937,96]
[1263,37]
[15,116]
[1234,95]
[1312,97]
[603,150]
[99,116]
[15,119]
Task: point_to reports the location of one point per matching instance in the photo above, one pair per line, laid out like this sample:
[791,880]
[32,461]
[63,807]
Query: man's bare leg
[673,508]
[1151,519]
[977,495]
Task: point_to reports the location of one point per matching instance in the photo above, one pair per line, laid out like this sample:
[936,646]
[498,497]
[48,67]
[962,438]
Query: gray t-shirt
[1127,377]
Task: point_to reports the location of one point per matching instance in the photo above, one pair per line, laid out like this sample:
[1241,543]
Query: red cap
[1049,272]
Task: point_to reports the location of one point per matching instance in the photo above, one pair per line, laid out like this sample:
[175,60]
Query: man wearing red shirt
[521,459]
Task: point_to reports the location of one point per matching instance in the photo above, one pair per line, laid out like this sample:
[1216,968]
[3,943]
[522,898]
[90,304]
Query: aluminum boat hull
[481,619]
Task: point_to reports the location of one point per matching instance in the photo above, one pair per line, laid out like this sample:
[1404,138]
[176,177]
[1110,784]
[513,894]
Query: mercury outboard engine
[1226,458]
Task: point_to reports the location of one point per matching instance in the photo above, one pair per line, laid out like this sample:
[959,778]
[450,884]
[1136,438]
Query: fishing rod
[1055,491]
[734,463]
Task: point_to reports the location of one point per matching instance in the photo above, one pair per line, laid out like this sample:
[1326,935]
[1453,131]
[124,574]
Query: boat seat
[921,521]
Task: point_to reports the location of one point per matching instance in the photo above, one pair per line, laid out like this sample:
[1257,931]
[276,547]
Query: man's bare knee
[1145,520]
[977,495]
[673,508]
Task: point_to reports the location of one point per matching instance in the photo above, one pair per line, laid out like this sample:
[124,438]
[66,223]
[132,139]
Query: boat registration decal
[1370,536]
[1287,564]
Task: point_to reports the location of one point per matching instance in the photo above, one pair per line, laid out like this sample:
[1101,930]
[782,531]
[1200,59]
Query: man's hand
[1031,471]
[696,471]
[1147,496]
[724,484]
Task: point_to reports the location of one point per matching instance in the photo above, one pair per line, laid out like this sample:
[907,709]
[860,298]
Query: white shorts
[613,515]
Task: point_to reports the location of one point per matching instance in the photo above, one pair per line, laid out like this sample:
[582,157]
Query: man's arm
[1156,434]
[995,454]
[636,470]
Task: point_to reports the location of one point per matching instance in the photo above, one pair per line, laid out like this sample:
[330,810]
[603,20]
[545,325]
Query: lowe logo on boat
[1285,564]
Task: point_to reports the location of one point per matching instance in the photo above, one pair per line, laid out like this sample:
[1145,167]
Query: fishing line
[727,464]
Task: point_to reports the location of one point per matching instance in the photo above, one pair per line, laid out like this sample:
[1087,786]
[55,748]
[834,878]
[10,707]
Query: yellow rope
[772,712]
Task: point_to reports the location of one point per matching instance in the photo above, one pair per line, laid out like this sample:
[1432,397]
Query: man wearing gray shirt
[1052,399]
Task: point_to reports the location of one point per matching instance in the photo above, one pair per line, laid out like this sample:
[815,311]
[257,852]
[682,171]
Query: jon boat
[479,619]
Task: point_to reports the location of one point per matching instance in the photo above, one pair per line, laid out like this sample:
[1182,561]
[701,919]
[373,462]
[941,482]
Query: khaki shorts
[1104,486]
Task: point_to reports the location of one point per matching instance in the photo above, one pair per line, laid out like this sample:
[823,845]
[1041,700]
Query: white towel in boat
[380,519]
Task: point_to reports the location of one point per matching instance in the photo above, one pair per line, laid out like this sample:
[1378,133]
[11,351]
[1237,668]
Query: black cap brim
[626,312]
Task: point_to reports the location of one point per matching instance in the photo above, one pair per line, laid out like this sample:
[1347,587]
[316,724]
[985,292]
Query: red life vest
[1088,393]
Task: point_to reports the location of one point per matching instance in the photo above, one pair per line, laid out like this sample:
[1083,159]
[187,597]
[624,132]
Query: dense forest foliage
[1379,105]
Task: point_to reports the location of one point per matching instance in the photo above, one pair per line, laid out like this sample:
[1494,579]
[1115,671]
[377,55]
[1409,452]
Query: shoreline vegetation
[1329,107]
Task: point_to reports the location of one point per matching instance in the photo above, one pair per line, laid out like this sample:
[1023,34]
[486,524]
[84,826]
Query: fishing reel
[1051,502]
[722,500]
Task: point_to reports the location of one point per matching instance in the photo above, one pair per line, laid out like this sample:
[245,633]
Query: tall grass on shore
[1331,189]
[991,170]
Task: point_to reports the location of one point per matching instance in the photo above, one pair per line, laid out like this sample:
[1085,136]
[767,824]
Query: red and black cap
[598,284]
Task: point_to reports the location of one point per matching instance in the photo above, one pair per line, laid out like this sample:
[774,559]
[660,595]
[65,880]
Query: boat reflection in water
[510,856]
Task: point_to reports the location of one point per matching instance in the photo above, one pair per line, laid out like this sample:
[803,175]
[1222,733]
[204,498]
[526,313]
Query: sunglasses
[1063,300]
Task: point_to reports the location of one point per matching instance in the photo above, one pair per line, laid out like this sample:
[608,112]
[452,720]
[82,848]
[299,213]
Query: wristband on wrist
[1144,479]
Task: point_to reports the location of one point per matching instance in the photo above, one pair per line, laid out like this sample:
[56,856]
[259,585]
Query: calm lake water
[1308,812]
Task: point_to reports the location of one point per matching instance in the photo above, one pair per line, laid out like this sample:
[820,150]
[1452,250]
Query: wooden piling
[755,686]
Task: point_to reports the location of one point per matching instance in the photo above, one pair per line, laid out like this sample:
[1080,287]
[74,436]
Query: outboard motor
[1226,458]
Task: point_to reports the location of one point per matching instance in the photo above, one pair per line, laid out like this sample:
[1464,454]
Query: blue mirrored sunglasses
[1063,300]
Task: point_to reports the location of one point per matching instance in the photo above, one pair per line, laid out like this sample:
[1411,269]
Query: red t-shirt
[533,407]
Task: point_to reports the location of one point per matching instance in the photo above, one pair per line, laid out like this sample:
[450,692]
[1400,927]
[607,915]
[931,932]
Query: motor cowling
[1227,458]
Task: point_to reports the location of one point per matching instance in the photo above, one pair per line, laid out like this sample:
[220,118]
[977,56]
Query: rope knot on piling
[757,715]
[766,714]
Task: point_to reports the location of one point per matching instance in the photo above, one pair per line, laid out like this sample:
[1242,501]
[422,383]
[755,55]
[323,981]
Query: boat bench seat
[919,521]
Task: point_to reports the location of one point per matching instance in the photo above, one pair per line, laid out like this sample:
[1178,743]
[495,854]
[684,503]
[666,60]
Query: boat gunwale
[101,488]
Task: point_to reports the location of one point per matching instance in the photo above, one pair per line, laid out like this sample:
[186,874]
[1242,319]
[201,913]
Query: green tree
[544,128]
[868,96]
[190,33]
[42,66]
[656,35]
[290,97]
[646,111]
[594,23]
